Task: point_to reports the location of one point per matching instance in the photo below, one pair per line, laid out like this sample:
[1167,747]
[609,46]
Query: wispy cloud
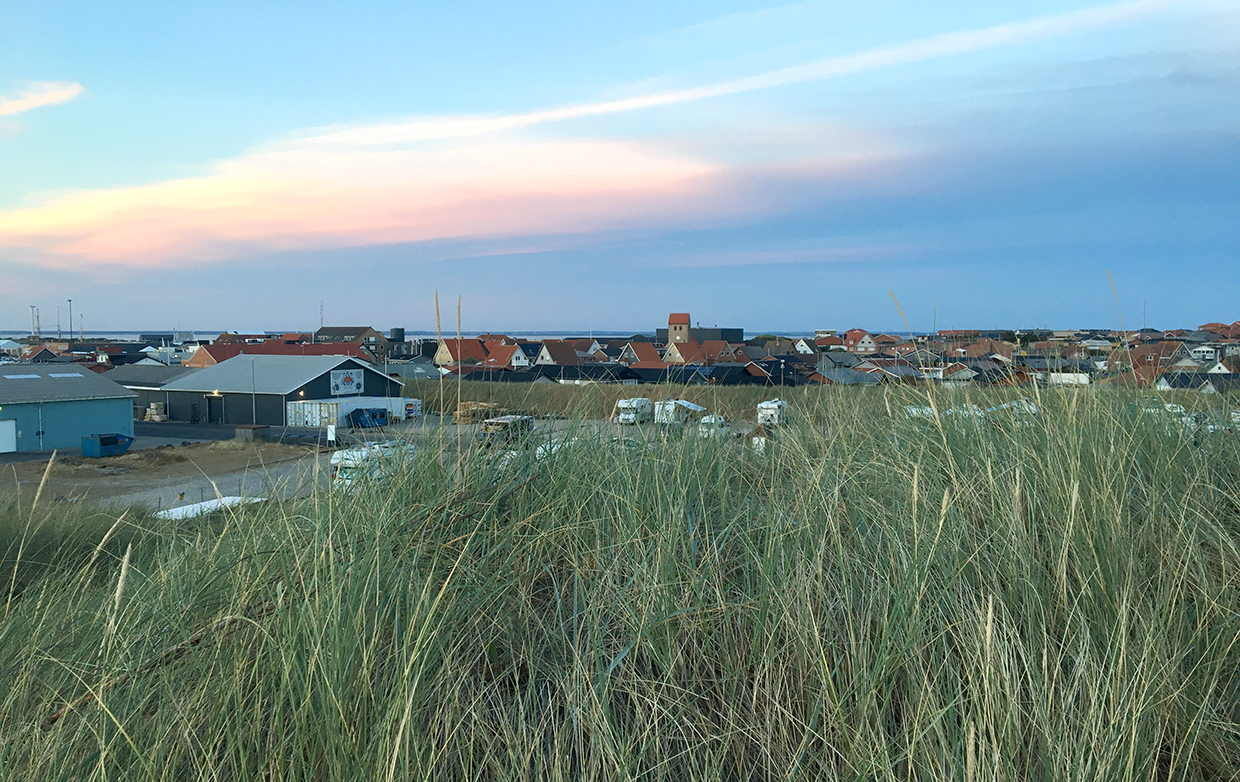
[39,94]
[378,184]
[919,50]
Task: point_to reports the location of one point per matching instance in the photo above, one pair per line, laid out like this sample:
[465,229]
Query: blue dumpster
[96,446]
[365,418]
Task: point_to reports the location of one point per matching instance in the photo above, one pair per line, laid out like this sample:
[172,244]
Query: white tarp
[203,508]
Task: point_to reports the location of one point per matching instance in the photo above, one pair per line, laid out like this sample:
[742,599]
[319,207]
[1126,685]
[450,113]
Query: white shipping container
[314,414]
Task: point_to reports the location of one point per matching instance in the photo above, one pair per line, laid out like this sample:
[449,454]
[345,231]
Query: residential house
[505,357]
[989,347]
[1146,362]
[689,352]
[454,352]
[859,341]
[557,352]
[634,352]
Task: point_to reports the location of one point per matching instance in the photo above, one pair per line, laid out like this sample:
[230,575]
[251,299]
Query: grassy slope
[873,599]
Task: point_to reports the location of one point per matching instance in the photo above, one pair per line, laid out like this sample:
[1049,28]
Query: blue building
[52,406]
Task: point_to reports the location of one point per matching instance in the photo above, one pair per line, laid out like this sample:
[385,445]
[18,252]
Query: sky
[570,166]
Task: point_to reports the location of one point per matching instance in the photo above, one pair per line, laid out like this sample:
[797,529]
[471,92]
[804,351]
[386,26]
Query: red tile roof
[465,350]
[214,353]
[678,319]
[645,352]
[500,355]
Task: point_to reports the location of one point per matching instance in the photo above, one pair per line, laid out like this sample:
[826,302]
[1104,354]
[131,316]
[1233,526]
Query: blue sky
[565,167]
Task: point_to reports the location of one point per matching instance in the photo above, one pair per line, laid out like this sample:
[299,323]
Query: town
[54,392]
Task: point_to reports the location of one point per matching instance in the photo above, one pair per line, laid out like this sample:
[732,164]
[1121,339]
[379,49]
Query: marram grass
[1020,597]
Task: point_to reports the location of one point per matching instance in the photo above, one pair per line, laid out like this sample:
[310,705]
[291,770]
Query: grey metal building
[147,382]
[53,406]
[255,389]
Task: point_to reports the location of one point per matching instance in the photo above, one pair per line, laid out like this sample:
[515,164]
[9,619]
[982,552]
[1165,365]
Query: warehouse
[54,406]
[256,389]
[147,383]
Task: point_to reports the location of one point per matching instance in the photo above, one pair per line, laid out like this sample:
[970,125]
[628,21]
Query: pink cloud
[297,197]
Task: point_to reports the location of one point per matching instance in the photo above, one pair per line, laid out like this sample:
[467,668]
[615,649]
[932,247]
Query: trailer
[633,411]
[772,412]
[675,412]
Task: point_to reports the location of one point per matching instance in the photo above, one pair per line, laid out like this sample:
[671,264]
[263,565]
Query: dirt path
[166,477]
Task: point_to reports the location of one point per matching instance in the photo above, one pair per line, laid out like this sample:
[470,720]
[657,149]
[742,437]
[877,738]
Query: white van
[772,412]
[633,411]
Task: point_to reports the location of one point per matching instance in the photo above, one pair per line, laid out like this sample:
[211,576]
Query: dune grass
[1021,597]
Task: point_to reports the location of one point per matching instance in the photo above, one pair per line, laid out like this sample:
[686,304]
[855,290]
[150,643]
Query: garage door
[8,436]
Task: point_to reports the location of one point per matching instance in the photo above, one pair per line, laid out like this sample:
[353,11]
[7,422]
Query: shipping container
[321,414]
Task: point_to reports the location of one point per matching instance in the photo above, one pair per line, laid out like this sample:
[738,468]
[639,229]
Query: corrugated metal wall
[65,423]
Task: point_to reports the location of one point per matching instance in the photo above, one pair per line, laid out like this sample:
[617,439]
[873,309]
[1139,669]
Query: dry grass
[1056,597]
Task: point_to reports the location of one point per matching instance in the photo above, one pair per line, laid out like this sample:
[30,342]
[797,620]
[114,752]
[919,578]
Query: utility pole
[58,322]
[71,320]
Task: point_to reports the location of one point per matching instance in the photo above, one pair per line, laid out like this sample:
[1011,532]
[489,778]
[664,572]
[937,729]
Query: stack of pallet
[155,412]
[477,412]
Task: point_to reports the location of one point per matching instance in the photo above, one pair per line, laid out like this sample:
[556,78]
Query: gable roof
[561,353]
[644,351]
[264,374]
[500,355]
[23,383]
[465,349]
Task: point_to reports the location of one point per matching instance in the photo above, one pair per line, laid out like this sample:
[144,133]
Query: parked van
[633,411]
[772,412]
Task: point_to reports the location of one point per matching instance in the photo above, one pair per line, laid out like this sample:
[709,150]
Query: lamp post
[253,395]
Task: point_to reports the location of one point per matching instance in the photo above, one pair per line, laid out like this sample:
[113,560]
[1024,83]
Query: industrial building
[256,389]
[45,407]
[147,382]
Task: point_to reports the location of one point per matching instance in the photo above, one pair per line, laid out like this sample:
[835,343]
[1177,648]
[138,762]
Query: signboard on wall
[347,381]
